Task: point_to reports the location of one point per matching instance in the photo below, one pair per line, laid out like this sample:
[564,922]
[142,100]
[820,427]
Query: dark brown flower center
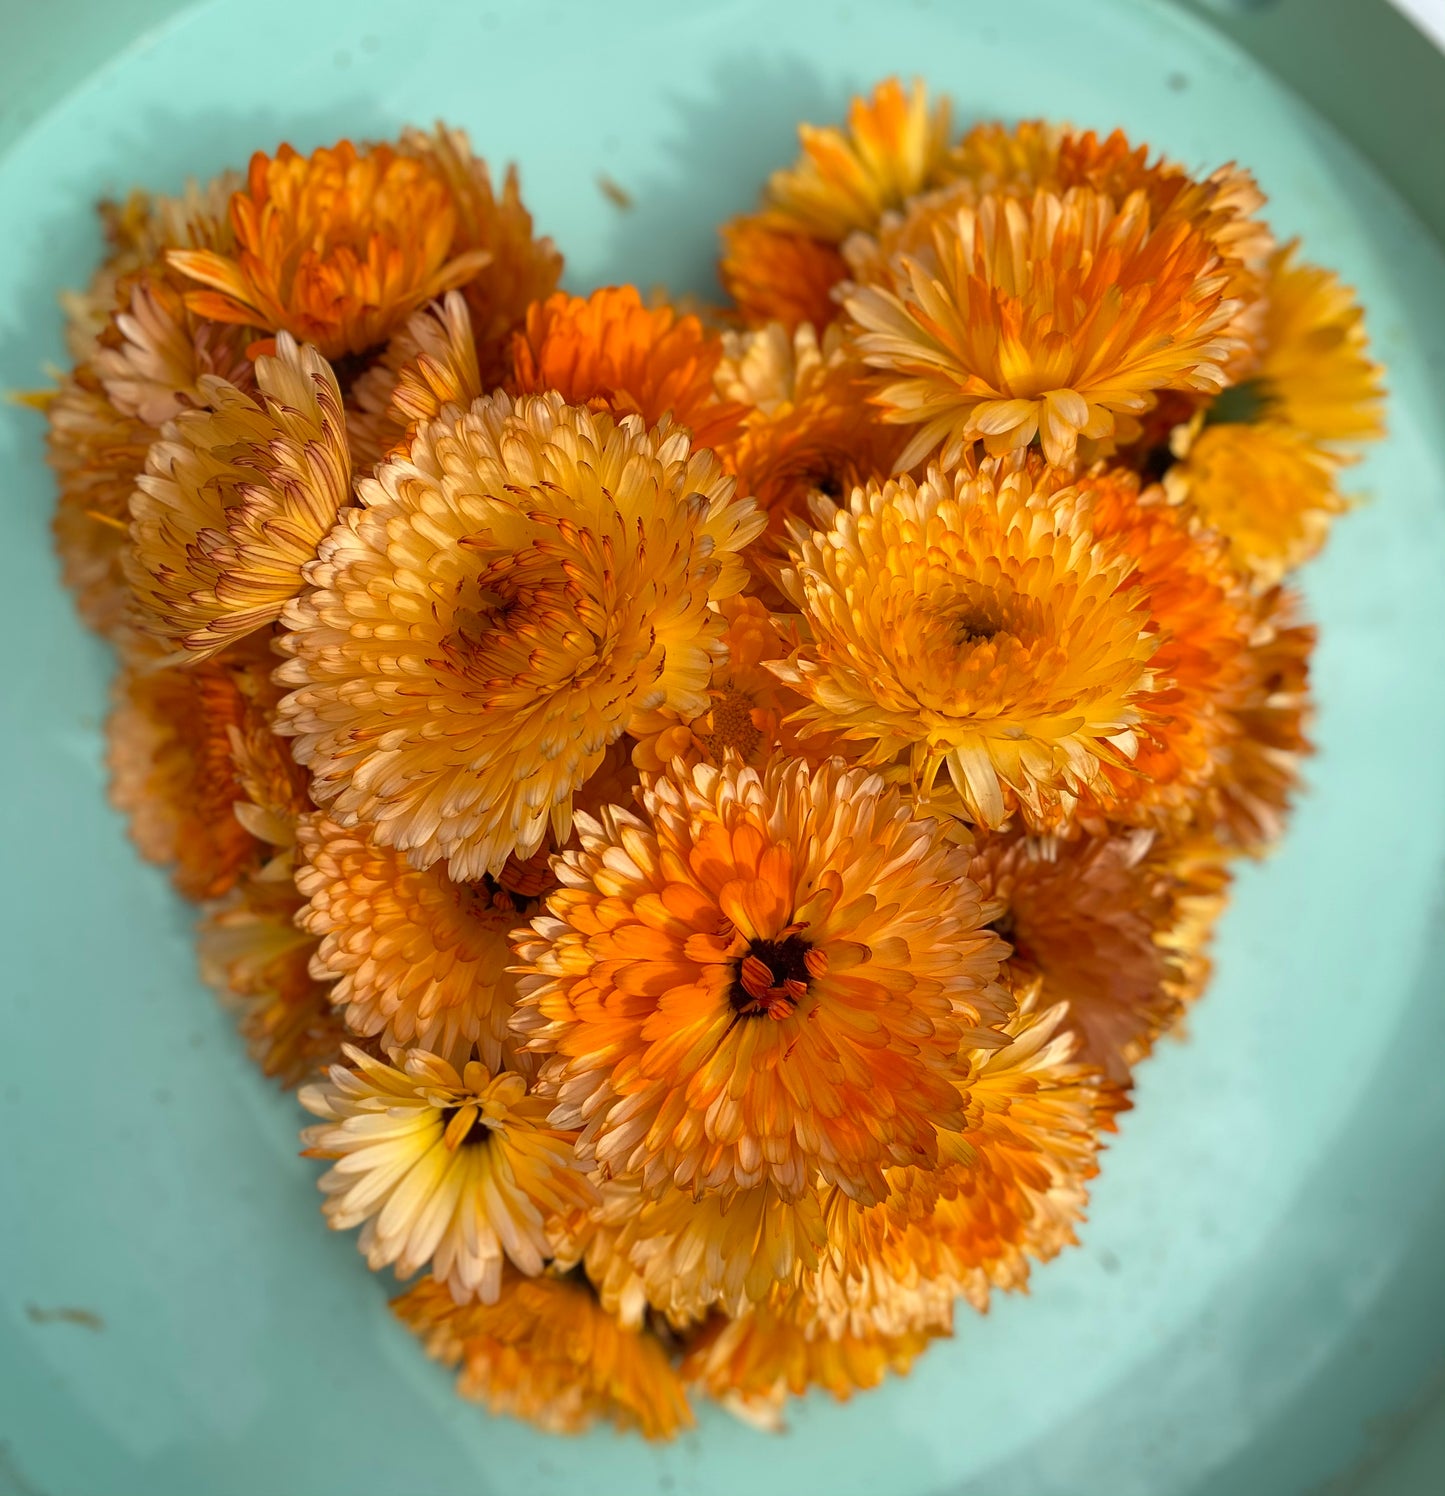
[774,975]
[476,1135]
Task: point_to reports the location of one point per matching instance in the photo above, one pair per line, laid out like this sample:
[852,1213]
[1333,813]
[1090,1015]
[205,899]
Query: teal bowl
[1258,1304]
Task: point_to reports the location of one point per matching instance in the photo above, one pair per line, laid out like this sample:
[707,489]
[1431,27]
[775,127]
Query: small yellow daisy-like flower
[975,624]
[547,1351]
[337,248]
[417,959]
[234,501]
[767,977]
[1051,317]
[748,705]
[752,1364]
[1270,492]
[429,365]
[520,269]
[259,963]
[1094,922]
[610,352]
[458,1170]
[488,622]
[1315,374]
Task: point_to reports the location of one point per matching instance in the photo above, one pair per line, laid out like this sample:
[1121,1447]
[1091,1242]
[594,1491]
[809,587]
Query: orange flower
[173,771]
[809,430]
[337,248]
[767,977]
[534,573]
[751,1364]
[777,276]
[1096,921]
[519,269]
[1257,763]
[781,263]
[1203,617]
[547,1352]
[258,962]
[748,705]
[976,624]
[234,501]
[1054,316]
[610,352]
[418,960]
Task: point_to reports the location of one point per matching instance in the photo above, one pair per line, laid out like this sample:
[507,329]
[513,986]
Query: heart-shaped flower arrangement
[708,803]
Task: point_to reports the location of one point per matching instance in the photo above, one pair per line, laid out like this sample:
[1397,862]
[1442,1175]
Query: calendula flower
[520,269]
[170,748]
[1264,487]
[1315,374]
[456,1169]
[751,1364]
[503,602]
[96,454]
[1053,316]
[809,429]
[417,959]
[781,263]
[1092,923]
[1204,617]
[748,706]
[610,352]
[546,1351]
[1257,762]
[975,624]
[775,275]
[766,975]
[429,365]
[258,962]
[337,248]
[1010,1186]
[234,501]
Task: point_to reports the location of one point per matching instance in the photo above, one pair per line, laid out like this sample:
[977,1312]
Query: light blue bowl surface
[1260,1291]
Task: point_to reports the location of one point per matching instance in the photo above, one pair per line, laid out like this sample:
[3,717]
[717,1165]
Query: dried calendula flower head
[765,976]
[536,573]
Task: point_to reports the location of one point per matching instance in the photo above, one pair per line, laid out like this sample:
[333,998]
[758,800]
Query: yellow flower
[234,501]
[337,248]
[488,622]
[780,263]
[975,625]
[1052,316]
[894,147]
[767,977]
[1265,488]
[1315,374]
[418,960]
[547,1352]
[453,1169]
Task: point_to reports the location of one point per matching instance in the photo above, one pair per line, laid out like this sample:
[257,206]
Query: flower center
[775,975]
[475,1134]
[730,724]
